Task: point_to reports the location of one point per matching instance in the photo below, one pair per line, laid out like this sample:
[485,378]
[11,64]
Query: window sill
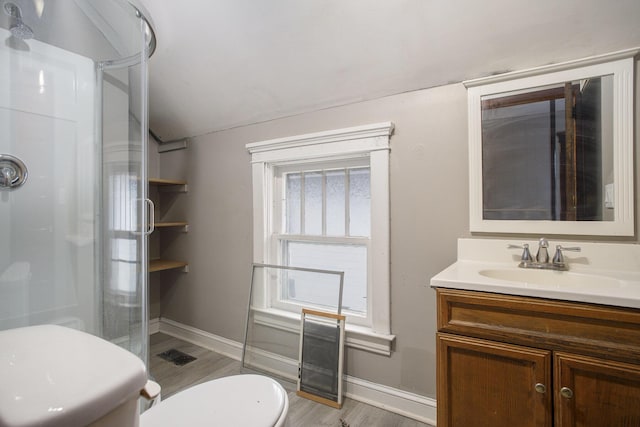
[358,337]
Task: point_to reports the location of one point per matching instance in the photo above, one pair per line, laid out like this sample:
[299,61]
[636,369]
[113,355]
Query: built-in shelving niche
[165,186]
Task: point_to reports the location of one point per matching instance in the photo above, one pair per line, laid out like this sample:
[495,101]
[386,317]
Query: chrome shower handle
[13,172]
[7,177]
[152,217]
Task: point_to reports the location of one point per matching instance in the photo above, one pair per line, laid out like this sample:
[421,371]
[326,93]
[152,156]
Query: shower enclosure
[73,193]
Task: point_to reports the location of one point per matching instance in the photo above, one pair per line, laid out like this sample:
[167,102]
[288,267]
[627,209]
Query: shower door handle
[152,217]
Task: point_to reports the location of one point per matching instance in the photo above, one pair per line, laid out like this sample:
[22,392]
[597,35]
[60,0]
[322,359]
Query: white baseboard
[401,402]
[408,404]
[154,325]
[204,339]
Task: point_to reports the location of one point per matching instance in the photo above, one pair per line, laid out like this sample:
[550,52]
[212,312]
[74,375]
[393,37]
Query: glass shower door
[126,206]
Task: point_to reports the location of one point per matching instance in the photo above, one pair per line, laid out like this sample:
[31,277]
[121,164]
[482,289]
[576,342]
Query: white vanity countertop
[604,273]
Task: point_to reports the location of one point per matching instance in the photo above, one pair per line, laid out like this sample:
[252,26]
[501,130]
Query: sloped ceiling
[226,63]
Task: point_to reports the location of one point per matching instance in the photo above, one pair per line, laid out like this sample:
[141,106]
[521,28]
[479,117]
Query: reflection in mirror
[544,161]
[551,149]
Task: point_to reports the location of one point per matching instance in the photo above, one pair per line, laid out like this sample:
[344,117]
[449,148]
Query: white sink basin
[603,273]
[550,278]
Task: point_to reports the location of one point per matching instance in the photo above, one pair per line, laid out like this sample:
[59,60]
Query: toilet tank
[51,375]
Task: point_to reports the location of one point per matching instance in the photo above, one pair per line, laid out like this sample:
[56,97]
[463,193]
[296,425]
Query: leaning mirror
[551,149]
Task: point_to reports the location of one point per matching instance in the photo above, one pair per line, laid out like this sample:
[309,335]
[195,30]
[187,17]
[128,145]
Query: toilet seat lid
[242,400]
[56,376]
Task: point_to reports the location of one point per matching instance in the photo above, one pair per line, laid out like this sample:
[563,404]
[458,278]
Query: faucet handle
[526,255]
[558,258]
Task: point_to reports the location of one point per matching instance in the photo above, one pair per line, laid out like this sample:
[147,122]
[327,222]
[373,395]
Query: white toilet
[57,376]
[240,400]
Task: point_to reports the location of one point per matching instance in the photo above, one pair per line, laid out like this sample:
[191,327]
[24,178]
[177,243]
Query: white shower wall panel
[47,254]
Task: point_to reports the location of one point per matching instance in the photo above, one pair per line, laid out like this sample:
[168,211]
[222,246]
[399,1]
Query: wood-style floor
[302,412]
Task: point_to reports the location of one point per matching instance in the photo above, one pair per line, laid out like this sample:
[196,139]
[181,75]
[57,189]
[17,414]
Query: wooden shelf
[169,185]
[165,264]
[161,181]
[172,224]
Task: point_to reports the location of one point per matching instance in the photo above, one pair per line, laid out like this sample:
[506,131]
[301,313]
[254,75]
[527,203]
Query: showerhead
[21,31]
[18,28]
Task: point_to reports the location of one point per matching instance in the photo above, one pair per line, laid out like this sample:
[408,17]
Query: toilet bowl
[57,376]
[239,400]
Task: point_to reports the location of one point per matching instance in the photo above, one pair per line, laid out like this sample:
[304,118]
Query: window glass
[123,215]
[122,219]
[292,203]
[123,265]
[359,202]
[335,184]
[352,259]
[327,200]
[313,203]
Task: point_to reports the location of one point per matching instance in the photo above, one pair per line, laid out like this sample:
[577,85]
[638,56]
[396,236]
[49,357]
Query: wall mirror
[551,149]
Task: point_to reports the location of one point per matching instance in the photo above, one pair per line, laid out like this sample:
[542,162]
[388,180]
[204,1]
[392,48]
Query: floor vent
[176,357]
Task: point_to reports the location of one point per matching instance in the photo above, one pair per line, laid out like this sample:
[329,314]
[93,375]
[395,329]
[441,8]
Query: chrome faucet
[542,256]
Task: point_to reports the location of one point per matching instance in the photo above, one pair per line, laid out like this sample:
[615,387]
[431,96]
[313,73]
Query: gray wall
[428,170]
[429,211]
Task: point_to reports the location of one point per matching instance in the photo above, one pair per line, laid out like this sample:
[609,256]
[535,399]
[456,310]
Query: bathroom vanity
[545,341]
[541,351]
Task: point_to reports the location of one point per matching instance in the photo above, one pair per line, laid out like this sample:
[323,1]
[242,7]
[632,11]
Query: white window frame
[372,141]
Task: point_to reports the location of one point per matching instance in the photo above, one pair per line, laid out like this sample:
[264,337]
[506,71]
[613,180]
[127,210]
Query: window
[122,220]
[322,201]
[323,220]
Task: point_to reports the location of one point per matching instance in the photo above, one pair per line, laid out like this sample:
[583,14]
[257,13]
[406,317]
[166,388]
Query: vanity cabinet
[163,192]
[486,383]
[518,361]
[595,392]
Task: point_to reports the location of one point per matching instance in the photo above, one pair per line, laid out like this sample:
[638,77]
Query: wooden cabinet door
[482,383]
[592,392]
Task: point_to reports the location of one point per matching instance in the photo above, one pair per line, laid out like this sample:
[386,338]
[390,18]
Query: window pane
[309,288]
[123,189]
[124,249]
[335,202]
[359,202]
[124,265]
[352,259]
[313,203]
[124,277]
[292,215]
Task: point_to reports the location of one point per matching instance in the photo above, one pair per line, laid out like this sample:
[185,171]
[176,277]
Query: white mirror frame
[621,65]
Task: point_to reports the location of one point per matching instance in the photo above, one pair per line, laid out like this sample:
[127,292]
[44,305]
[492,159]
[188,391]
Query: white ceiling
[227,63]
